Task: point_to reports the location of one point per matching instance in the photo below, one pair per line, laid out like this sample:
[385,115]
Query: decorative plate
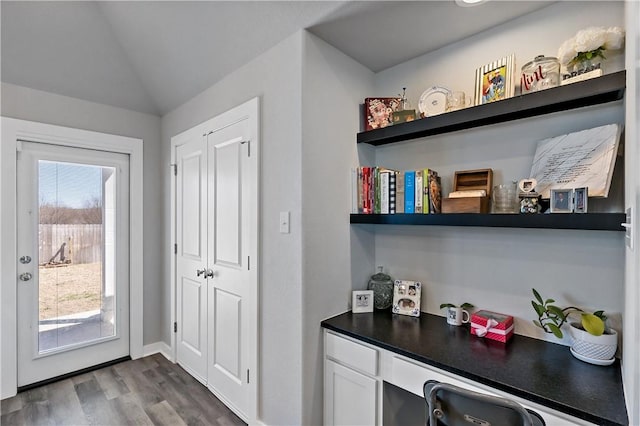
[433,101]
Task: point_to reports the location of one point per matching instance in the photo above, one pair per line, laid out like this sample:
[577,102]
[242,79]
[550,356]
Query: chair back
[450,405]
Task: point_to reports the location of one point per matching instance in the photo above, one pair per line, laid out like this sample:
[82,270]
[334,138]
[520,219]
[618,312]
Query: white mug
[457,316]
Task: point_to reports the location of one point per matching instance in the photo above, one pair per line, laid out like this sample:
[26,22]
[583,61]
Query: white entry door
[73,248]
[216,268]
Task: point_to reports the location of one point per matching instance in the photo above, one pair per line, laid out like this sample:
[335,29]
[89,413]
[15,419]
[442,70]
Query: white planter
[593,347]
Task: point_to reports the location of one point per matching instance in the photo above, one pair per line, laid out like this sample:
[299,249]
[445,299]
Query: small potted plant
[457,315]
[593,341]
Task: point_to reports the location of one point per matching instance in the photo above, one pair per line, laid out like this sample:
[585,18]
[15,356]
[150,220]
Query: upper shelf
[608,88]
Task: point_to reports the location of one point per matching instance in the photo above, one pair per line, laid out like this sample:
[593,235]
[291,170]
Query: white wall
[496,268]
[34,105]
[333,85]
[275,76]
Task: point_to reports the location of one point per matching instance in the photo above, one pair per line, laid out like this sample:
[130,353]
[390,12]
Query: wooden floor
[147,391]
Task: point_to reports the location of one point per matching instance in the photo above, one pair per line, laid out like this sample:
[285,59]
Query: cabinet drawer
[353,354]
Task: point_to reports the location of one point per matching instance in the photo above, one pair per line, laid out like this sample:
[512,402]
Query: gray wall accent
[333,85]
[34,105]
[275,76]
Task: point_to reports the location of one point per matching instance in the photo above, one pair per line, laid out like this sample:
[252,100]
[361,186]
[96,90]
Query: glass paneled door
[73,231]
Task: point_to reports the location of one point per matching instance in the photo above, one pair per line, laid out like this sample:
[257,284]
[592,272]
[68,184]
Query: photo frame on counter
[561,200]
[580,199]
[406,297]
[495,81]
[361,301]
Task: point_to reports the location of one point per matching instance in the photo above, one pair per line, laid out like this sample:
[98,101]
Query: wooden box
[470,180]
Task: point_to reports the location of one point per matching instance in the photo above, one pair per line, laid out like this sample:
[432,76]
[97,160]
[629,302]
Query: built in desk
[381,347]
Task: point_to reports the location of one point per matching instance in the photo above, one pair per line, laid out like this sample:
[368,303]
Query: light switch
[284,222]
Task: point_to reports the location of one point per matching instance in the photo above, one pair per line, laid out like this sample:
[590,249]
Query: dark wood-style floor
[147,391]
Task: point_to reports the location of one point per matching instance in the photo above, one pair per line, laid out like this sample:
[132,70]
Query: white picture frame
[406,297]
[361,301]
[561,200]
[580,199]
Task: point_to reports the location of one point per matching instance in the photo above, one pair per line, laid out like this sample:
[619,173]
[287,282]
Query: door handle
[25,276]
[200,272]
[210,273]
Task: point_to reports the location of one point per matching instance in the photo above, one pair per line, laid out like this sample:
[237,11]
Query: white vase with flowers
[585,51]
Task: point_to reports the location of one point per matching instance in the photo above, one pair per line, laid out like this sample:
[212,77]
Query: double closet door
[216,257]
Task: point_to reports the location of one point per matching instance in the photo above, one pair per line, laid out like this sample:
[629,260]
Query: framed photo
[561,200]
[406,297]
[495,81]
[362,301]
[379,112]
[580,198]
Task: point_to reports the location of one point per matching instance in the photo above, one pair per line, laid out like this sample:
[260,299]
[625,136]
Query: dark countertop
[535,370]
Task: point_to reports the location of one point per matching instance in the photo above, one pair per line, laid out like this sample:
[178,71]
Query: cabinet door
[350,398]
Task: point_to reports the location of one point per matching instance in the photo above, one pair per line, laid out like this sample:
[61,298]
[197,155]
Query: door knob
[25,259]
[210,273]
[200,272]
[25,276]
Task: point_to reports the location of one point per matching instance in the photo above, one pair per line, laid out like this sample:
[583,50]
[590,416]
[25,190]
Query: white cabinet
[351,386]
[351,398]
[355,373]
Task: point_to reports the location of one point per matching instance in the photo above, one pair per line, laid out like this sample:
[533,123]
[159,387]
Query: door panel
[226,357]
[229,164]
[191,229]
[73,223]
[227,170]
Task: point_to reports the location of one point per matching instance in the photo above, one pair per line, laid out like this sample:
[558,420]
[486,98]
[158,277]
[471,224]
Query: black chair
[449,405]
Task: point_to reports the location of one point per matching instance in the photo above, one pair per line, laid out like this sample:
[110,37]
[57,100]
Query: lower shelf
[589,221]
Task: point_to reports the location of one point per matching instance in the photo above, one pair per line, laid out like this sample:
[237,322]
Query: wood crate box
[466,196]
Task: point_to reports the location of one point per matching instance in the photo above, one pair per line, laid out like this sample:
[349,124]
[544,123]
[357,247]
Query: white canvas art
[580,159]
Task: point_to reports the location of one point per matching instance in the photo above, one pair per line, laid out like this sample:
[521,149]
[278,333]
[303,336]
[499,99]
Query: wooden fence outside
[84,242]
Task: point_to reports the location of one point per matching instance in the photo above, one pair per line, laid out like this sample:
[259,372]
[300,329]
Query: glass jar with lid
[382,286]
[541,73]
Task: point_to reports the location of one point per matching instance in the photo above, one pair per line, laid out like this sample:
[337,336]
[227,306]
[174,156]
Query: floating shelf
[589,221]
[608,88]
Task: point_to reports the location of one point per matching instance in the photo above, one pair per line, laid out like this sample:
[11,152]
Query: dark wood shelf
[608,88]
[589,221]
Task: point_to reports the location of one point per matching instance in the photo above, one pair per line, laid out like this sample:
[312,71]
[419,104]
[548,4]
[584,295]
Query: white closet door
[191,262]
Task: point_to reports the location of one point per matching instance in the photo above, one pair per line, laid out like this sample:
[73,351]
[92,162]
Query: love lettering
[527,79]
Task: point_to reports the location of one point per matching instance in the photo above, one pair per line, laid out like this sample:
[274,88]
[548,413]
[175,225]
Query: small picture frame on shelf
[379,112]
[361,301]
[580,197]
[495,81]
[406,297]
[561,200]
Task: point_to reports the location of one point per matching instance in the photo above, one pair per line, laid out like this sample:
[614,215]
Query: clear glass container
[382,286]
[541,73]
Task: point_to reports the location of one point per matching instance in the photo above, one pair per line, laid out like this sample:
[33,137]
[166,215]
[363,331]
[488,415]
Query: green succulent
[465,305]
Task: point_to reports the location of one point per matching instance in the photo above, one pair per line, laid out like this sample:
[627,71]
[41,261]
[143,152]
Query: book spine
[366,207]
[392,192]
[376,198]
[418,190]
[435,193]
[400,192]
[425,191]
[409,191]
[384,192]
[360,192]
[372,192]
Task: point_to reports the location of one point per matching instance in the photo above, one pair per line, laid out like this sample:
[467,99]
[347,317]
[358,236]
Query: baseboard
[157,347]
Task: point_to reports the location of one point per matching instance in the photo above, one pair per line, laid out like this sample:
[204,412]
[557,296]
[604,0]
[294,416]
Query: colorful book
[409,191]
[400,192]
[376,198]
[435,193]
[418,190]
[425,191]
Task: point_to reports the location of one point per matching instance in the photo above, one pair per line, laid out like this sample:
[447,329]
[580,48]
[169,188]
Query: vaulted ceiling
[152,56]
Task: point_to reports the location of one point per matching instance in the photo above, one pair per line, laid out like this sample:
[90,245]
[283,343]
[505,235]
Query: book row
[378,190]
